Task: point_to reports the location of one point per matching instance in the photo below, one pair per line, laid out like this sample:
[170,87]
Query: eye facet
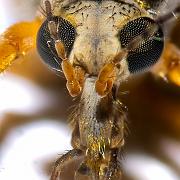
[46,44]
[149,50]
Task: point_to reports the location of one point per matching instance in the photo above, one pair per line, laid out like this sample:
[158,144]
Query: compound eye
[149,49]
[46,44]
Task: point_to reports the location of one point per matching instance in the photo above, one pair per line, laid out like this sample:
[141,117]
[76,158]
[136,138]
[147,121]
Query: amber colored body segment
[17,40]
[73,74]
[106,79]
[172,58]
[74,77]
[169,65]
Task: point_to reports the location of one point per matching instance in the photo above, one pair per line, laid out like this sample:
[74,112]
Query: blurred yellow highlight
[17,40]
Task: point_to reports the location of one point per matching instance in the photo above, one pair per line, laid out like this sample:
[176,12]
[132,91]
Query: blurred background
[34,105]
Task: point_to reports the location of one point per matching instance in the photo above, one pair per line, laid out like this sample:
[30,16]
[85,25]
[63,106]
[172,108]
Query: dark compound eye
[45,43]
[149,50]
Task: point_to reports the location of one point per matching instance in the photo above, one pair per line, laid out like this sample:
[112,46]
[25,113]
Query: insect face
[101,31]
[98,44]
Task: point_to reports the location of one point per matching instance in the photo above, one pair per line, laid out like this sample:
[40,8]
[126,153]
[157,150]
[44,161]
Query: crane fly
[96,44]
